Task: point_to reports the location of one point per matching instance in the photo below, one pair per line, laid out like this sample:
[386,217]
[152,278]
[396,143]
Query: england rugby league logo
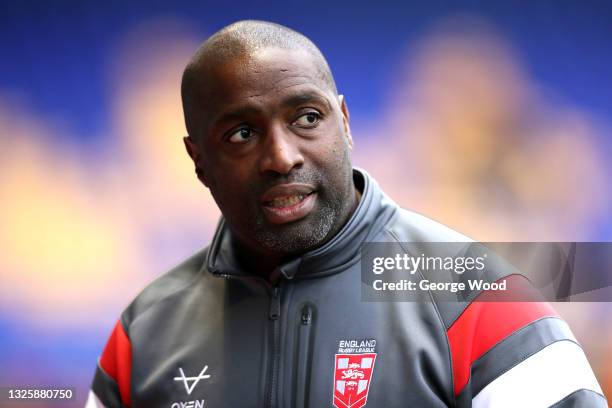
[353,372]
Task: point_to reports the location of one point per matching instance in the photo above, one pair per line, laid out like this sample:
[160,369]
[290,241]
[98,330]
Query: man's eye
[241,135]
[308,120]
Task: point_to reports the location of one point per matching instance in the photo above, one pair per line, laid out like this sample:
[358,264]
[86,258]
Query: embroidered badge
[353,372]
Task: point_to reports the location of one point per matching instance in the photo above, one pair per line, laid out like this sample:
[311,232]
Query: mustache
[271,179]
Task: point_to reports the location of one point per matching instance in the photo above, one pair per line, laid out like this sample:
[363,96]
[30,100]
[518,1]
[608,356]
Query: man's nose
[281,153]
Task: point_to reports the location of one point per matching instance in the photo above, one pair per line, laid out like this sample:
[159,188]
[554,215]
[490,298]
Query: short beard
[336,206]
[299,238]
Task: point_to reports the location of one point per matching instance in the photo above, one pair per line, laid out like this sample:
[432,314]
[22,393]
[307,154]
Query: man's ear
[194,152]
[346,119]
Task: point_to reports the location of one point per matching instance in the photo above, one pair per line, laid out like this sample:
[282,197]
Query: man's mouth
[288,202]
[284,202]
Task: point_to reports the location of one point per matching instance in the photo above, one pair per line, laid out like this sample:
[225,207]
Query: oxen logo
[194,380]
[352,377]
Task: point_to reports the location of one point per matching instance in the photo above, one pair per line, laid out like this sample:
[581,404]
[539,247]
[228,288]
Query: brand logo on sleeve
[353,372]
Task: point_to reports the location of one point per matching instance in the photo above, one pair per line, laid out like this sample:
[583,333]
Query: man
[270,313]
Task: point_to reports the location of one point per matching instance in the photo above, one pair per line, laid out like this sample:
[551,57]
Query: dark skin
[265,120]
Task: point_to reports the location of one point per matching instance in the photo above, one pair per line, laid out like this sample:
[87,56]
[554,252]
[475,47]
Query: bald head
[239,41]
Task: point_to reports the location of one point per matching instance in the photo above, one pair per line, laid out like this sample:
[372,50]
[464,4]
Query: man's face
[273,146]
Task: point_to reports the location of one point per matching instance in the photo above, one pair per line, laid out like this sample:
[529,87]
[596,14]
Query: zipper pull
[306,316]
[275,304]
[304,356]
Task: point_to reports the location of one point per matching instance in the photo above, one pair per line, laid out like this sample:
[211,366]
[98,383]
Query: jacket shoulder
[175,280]
[410,226]
[501,342]
[419,235]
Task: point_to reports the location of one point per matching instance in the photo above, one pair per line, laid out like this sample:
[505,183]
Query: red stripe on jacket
[116,361]
[488,320]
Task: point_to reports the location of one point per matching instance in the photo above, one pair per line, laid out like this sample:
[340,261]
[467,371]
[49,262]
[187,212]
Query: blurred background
[490,117]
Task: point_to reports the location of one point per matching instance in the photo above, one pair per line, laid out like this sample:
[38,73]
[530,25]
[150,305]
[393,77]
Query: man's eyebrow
[237,113]
[240,112]
[302,98]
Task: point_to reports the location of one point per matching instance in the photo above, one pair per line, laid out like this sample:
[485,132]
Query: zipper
[304,345]
[274,316]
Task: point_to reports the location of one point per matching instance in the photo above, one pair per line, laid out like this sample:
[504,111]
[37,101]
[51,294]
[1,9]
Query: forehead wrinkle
[299,65]
[276,86]
[294,98]
[287,77]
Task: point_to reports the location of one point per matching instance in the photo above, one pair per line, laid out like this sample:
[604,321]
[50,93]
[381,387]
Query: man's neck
[256,262]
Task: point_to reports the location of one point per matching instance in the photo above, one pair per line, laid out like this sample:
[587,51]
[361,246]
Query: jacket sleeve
[513,353]
[111,384]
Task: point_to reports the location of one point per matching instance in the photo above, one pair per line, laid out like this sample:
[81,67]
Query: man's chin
[295,237]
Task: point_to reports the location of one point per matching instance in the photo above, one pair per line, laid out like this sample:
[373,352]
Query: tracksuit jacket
[209,334]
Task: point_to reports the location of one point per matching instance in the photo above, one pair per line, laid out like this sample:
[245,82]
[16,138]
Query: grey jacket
[208,334]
